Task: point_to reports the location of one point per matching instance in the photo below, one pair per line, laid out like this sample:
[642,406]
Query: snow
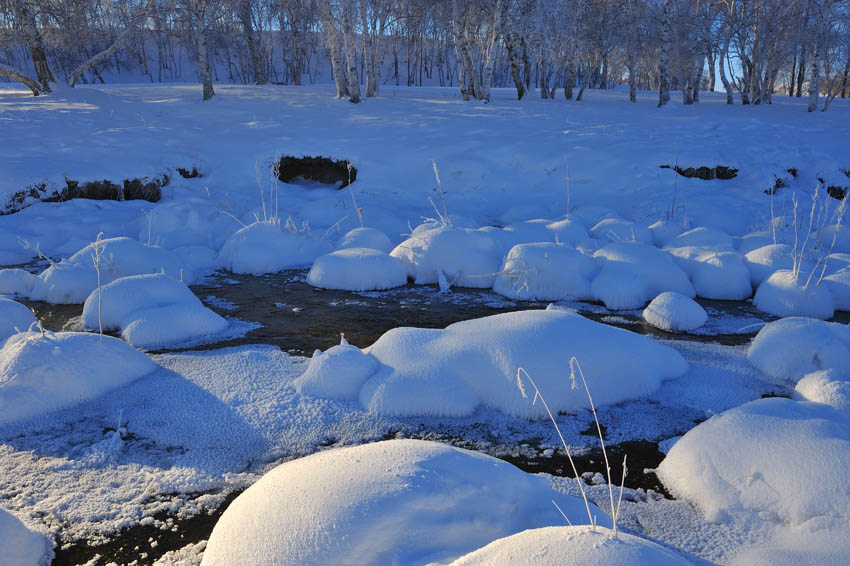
[21,546]
[365,238]
[569,231]
[338,373]
[190,222]
[398,501]
[838,285]
[789,348]
[42,372]
[545,272]
[16,282]
[466,257]
[357,269]
[171,325]
[709,258]
[14,318]
[453,371]
[674,312]
[784,460]
[665,230]
[266,247]
[766,260]
[787,294]
[620,230]
[827,387]
[572,546]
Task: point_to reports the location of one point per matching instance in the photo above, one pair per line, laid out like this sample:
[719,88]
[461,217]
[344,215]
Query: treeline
[752,48]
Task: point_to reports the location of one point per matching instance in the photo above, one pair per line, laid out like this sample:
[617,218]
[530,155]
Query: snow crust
[21,546]
[673,312]
[357,269]
[14,318]
[545,272]
[265,247]
[398,501]
[43,372]
[784,294]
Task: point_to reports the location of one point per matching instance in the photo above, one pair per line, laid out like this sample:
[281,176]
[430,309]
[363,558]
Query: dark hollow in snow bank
[705,173]
[192,173]
[319,169]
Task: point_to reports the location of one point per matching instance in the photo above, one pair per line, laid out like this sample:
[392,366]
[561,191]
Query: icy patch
[545,272]
[21,546]
[14,318]
[784,294]
[265,247]
[357,269]
[674,312]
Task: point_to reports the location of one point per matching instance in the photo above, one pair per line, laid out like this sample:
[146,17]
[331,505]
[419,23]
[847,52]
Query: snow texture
[357,269]
[21,546]
[14,318]
[337,373]
[784,294]
[674,312]
[545,272]
[827,387]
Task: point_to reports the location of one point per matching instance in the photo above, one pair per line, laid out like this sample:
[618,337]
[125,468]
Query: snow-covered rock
[592,214]
[840,234]
[467,258]
[545,272]
[16,282]
[357,269]
[568,231]
[709,258]
[14,318]
[42,372]
[171,325]
[187,222]
[471,363]
[784,294]
[703,237]
[527,232]
[73,279]
[674,312]
[838,285]
[789,348]
[784,460]
[365,238]
[620,230]
[766,260]
[199,260]
[391,502]
[337,373]
[572,546]
[665,230]
[266,247]
[21,546]
[632,274]
[827,387]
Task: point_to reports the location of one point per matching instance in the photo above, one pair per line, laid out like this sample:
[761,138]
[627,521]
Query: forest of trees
[752,48]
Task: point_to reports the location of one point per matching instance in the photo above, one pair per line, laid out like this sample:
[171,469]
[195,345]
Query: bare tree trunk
[631,65]
[512,47]
[350,53]
[801,75]
[16,75]
[247,20]
[71,80]
[570,81]
[490,52]
[204,62]
[814,79]
[332,42]
[664,61]
[845,81]
[34,42]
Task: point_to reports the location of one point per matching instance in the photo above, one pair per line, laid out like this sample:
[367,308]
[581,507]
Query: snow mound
[673,312]
[527,232]
[21,546]
[827,387]
[188,222]
[572,546]
[365,238]
[838,285]
[840,233]
[467,258]
[721,276]
[632,274]
[791,347]
[545,272]
[265,247]
[73,279]
[391,502]
[568,231]
[171,325]
[665,230]
[16,282]
[338,373]
[783,294]
[14,318]
[620,230]
[43,372]
[785,460]
[451,372]
[592,214]
[766,260]
[357,269]
[703,237]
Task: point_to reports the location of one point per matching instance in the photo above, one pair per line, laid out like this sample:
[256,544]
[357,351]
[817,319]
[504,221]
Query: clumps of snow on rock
[766,260]
[827,387]
[187,222]
[152,311]
[365,238]
[789,348]
[620,230]
[572,546]
[357,269]
[396,501]
[785,293]
[266,247]
[21,546]
[568,231]
[674,312]
[707,256]
[337,373]
[14,318]
[16,282]
[40,372]
[545,272]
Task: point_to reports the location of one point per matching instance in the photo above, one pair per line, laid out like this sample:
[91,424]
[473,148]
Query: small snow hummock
[568,231]
[789,348]
[152,311]
[766,260]
[16,282]
[674,312]
[709,258]
[620,230]
[266,247]
[357,269]
[467,258]
[545,272]
[337,373]
[21,546]
[572,546]
[838,284]
[365,238]
[787,294]
[396,501]
[40,372]
[471,363]
[783,460]
[827,387]
[14,318]
[188,222]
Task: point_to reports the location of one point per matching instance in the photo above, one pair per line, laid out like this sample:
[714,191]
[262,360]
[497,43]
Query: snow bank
[545,272]
[785,460]
[467,258]
[357,269]
[14,318]
[265,247]
[21,546]
[572,546]
[673,312]
[632,274]
[365,238]
[187,222]
[73,279]
[392,502]
[792,347]
[827,387]
[43,372]
[338,373]
[16,282]
[766,260]
[783,294]
[620,230]
[451,372]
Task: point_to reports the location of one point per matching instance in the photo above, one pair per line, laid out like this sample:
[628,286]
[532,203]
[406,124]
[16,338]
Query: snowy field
[399,451]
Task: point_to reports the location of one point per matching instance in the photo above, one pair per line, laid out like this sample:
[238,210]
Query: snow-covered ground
[538,199]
